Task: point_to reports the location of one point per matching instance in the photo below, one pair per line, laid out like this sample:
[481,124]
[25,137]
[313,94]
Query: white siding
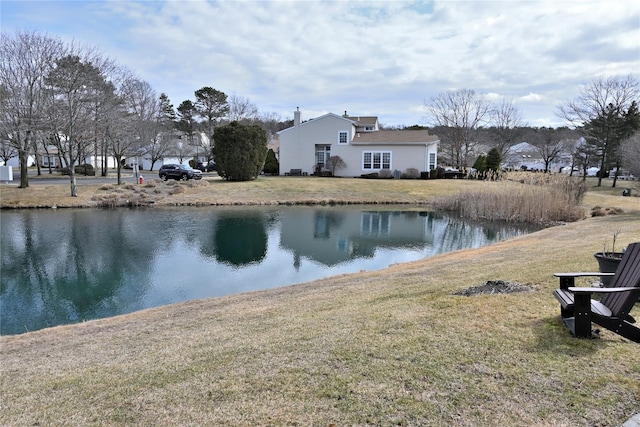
[298,148]
[297,144]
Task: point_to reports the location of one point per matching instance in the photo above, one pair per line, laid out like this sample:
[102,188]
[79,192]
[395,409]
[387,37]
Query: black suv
[206,167]
[182,172]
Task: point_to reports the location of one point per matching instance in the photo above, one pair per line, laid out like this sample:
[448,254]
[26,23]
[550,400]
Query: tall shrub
[271,163]
[239,151]
[481,163]
[493,160]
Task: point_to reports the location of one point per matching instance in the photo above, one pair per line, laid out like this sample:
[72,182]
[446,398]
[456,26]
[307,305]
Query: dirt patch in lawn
[496,287]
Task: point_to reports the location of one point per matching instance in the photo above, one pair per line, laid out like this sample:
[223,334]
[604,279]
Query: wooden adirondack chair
[578,310]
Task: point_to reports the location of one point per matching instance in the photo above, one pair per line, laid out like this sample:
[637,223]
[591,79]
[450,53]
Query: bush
[385,173]
[335,163]
[437,173]
[372,175]
[411,173]
[85,169]
[271,165]
[240,151]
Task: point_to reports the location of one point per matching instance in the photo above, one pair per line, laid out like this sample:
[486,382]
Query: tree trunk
[38,161]
[601,172]
[24,172]
[615,176]
[72,178]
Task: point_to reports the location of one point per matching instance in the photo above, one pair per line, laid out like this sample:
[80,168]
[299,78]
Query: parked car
[201,166]
[183,172]
[211,166]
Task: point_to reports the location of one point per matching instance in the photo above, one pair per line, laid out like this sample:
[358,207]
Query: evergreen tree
[240,151]
[481,163]
[271,163]
[494,159]
[211,104]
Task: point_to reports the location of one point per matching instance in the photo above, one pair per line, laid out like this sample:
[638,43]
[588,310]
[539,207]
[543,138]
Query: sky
[382,58]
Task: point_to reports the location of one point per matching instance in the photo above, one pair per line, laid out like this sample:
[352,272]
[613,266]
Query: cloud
[531,97]
[385,58]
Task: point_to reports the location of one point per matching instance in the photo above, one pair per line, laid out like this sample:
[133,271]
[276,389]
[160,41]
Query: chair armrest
[584,274]
[587,290]
[567,280]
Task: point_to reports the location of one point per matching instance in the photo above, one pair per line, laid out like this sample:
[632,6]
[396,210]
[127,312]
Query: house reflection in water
[333,236]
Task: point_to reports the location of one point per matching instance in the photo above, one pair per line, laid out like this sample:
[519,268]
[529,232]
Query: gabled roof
[363,120]
[306,122]
[395,137]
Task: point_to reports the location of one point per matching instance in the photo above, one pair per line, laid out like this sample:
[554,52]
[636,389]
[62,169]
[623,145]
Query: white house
[358,141]
[528,156]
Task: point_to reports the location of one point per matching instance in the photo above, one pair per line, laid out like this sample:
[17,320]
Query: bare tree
[7,150]
[630,150]
[600,110]
[164,124]
[549,143]
[582,156]
[75,84]
[335,163]
[25,58]
[507,125]
[133,116]
[458,114]
[273,123]
[242,110]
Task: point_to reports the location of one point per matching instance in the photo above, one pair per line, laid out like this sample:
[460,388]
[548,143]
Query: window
[376,160]
[375,223]
[343,137]
[323,152]
[321,227]
[48,161]
[432,161]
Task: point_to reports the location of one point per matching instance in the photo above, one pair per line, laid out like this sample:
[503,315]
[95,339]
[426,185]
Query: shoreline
[385,347]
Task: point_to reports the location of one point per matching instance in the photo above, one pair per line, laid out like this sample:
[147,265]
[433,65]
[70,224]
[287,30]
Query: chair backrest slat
[627,275]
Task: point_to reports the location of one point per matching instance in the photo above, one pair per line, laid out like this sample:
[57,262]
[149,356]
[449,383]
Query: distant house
[358,141]
[527,156]
[176,148]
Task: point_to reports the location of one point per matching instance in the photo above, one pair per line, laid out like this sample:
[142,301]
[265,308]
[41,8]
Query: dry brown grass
[392,347]
[537,199]
[215,191]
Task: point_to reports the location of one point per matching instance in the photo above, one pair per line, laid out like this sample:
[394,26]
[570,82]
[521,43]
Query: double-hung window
[432,161]
[343,137]
[376,160]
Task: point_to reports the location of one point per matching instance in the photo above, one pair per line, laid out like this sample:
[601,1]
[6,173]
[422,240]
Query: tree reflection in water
[66,266]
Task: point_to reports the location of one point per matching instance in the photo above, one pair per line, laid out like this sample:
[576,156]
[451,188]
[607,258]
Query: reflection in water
[66,266]
[240,238]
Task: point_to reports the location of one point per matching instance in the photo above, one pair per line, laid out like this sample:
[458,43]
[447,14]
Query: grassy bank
[215,191]
[393,347]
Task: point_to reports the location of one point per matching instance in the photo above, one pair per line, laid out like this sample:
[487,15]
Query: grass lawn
[391,347]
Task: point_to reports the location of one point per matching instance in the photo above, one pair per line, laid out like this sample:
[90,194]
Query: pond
[72,265]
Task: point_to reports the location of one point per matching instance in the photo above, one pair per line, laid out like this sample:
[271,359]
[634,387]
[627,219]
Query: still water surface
[68,266]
